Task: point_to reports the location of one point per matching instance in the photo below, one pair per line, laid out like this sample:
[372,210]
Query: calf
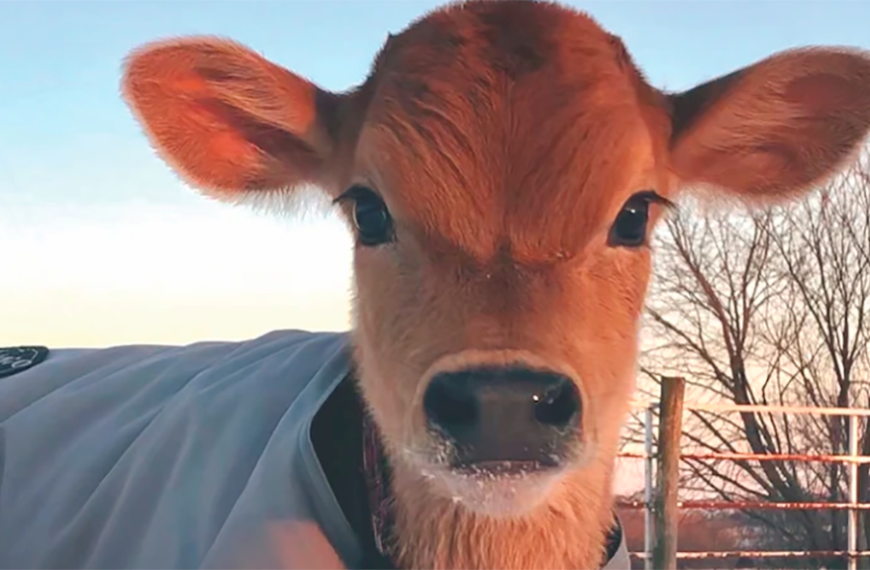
[502,168]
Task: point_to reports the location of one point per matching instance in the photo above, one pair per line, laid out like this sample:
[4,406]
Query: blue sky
[100,244]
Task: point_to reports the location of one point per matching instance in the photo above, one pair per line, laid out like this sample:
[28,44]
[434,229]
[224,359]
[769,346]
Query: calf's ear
[776,128]
[229,121]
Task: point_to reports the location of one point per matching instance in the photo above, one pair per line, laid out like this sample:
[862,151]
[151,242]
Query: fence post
[648,470]
[852,524]
[667,480]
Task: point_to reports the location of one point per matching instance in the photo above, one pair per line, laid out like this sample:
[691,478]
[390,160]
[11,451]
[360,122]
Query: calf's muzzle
[504,419]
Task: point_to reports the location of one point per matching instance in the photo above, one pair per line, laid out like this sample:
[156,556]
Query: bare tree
[769,308]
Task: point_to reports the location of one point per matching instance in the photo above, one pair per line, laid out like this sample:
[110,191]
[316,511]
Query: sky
[100,244]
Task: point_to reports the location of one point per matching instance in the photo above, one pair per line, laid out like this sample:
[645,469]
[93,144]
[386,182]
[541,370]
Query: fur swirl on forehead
[504,110]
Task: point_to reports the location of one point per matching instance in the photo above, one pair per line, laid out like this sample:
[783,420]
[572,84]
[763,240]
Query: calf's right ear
[229,121]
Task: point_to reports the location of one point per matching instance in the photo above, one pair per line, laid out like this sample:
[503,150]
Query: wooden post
[667,480]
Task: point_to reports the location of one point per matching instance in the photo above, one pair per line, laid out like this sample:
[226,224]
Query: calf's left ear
[776,128]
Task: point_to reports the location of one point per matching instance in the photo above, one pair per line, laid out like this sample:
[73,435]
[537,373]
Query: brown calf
[502,167]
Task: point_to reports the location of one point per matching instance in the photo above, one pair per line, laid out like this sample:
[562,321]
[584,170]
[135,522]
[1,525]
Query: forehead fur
[510,125]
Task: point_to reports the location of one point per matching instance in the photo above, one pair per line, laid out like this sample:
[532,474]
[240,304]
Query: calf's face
[502,168]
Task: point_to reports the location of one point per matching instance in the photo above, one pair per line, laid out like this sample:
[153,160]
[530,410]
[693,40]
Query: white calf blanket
[196,456]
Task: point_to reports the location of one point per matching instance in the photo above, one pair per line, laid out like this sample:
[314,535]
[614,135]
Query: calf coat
[196,456]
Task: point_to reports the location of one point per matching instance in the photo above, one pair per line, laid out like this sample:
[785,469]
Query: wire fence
[652,495]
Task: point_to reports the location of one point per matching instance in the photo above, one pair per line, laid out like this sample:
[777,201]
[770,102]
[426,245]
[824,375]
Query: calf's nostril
[559,406]
[450,405]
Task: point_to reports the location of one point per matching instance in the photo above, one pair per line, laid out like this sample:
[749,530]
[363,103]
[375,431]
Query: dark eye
[629,229]
[373,222]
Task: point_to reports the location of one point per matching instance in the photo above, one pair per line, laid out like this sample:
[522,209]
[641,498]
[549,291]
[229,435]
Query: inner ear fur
[776,128]
[228,120]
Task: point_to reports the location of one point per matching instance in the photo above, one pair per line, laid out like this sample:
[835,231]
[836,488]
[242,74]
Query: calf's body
[194,456]
[502,168]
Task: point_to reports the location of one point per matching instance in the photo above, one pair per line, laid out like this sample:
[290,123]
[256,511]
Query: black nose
[499,415]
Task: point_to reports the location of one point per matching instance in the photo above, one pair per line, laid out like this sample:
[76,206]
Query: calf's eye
[630,227]
[374,225]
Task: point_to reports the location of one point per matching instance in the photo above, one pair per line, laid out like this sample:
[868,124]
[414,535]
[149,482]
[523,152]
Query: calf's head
[502,168]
